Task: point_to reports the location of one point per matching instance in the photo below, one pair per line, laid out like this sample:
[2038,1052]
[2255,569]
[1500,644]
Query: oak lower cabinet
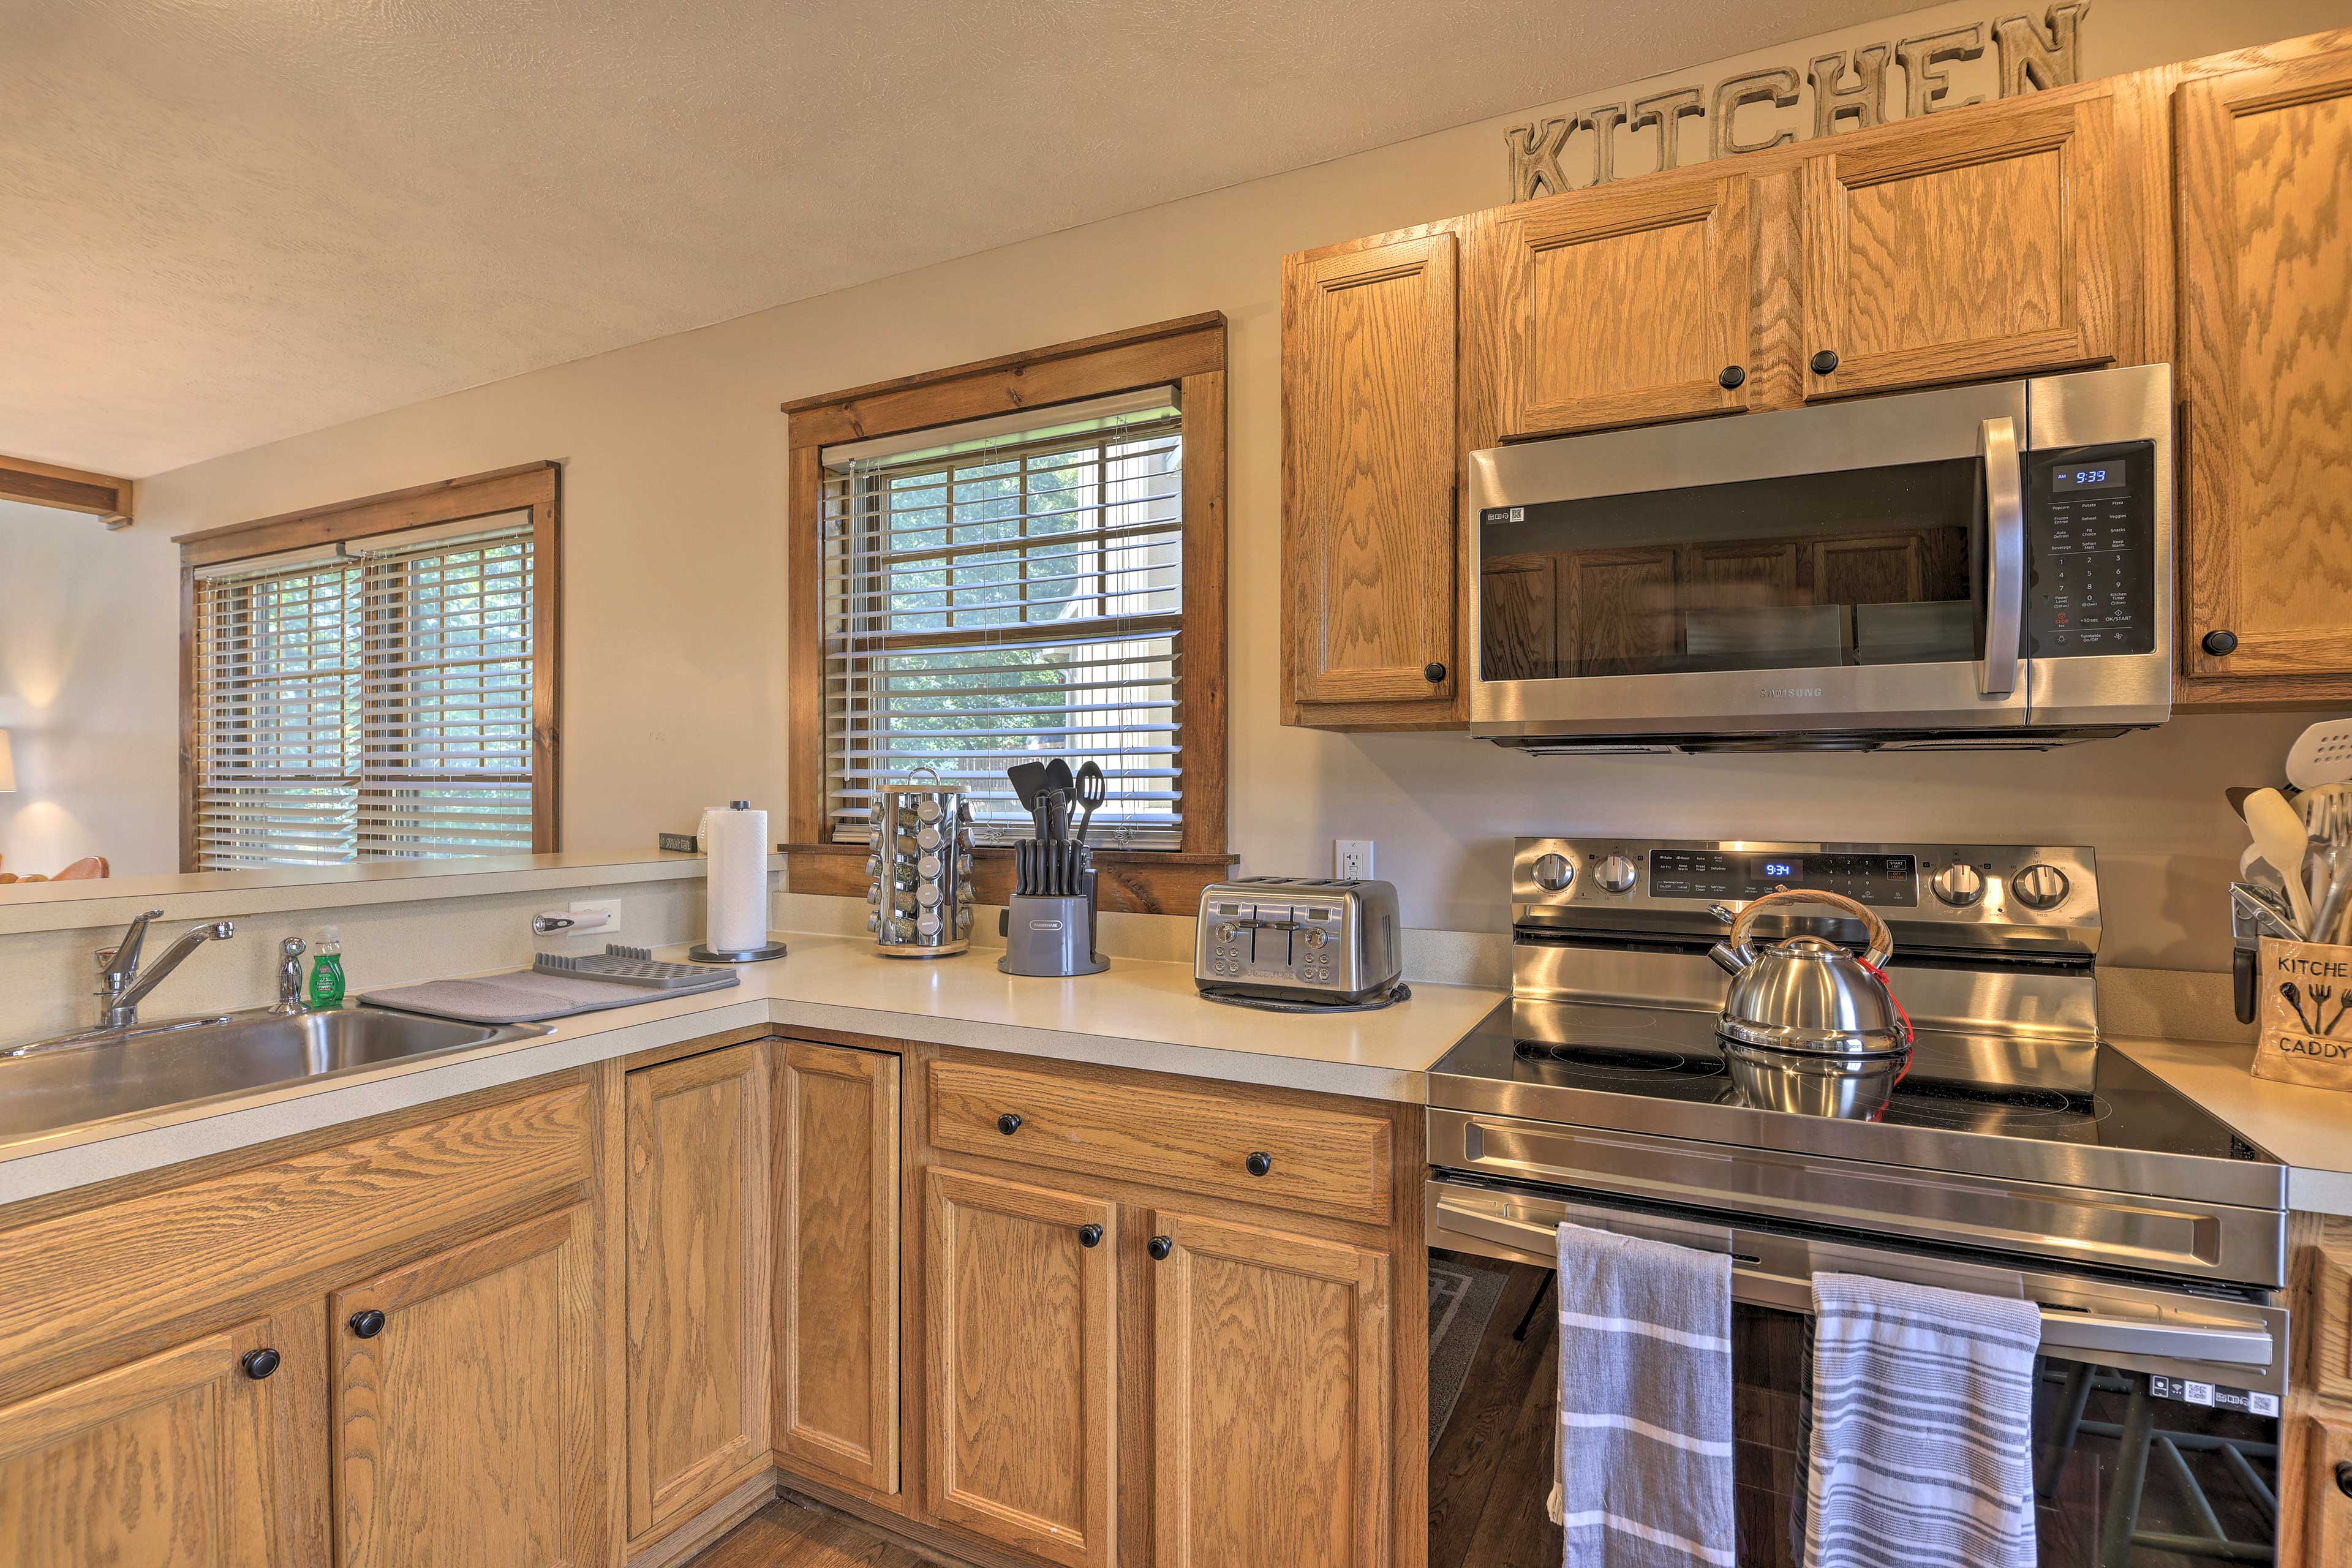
[1271,1398]
[698,1282]
[1022,1351]
[836,1411]
[2263,165]
[466,1392]
[194,1457]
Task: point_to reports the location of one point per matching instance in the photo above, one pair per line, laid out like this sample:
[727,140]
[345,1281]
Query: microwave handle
[2005,569]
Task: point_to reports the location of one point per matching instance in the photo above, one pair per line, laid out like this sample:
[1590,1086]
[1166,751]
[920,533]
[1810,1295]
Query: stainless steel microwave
[1983,567]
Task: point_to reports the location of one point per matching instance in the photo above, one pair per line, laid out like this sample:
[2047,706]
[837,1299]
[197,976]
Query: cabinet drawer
[93,1276]
[1323,1162]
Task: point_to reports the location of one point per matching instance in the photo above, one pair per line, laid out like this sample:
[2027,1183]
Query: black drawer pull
[1733,377]
[1009,1124]
[367,1324]
[1259,1164]
[1825,362]
[2344,1477]
[1159,1246]
[2220,644]
[1089,1236]
[1432,672]
[260,1363]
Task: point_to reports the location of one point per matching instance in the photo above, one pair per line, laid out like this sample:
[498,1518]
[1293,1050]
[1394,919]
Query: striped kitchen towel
[1644,1404]
[1923,1427]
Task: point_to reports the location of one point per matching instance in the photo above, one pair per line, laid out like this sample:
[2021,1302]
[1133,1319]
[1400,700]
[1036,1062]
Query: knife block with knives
[1049,926]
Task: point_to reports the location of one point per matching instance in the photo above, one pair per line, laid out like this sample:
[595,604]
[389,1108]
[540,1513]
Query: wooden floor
[784,1534]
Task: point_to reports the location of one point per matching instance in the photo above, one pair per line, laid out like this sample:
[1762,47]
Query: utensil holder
[1052,938]
[2305,991]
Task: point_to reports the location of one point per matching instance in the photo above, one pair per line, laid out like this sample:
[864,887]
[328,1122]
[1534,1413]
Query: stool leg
[2132,1446]
[2073,1395]
[1528,1317]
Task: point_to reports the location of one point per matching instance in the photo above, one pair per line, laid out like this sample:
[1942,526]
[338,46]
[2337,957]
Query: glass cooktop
[1545,1058]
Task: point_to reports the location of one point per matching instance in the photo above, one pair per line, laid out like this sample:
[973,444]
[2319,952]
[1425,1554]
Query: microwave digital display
[2098,477]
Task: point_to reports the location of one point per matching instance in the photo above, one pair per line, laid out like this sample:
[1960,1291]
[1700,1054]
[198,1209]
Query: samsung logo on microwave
[1770,691]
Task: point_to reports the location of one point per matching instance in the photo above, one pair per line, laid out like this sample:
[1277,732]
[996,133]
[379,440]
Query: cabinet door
[837,1256]
[1623,307]
[186,1458]
[1271,1400]
[2265,354]
[468,1417]
[1023,1345]
[1982,247]
[697,1281]
[1369,546]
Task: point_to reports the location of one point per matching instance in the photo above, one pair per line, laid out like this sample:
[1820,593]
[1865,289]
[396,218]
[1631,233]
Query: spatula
[2279,834]
[2322,754]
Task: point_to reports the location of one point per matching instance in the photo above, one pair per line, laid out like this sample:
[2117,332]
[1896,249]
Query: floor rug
[1461,1296]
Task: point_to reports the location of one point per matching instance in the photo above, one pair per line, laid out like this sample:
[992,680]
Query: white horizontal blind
[1014,595]
[371,705]
[445,723]
[275,751]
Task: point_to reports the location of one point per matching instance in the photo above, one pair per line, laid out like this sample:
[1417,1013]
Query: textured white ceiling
[230,221]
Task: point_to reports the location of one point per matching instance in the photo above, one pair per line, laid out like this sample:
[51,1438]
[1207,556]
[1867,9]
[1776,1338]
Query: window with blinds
[1004,590]
[368,704]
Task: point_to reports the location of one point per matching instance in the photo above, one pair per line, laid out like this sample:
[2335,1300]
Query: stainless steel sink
[152,1069]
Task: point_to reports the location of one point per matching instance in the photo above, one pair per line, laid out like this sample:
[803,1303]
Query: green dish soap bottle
[327,972]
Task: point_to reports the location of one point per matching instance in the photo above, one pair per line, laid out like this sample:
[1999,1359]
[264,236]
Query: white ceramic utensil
[2279,834]
[2322,754]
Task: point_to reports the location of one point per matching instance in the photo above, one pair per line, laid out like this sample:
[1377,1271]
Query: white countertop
[1137,1014]
[2309,1128]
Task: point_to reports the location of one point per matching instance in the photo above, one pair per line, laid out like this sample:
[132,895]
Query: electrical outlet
[611,907]
[1351,859]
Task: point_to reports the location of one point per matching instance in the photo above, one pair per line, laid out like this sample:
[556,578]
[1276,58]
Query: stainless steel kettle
[1806,993]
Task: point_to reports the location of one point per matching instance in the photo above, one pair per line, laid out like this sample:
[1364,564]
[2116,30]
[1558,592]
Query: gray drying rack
[535,996]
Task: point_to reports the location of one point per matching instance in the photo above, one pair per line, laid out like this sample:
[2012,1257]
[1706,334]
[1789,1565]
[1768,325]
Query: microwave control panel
[2090,550]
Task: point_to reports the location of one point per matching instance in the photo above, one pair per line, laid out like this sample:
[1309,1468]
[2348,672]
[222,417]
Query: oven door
[2156,1423]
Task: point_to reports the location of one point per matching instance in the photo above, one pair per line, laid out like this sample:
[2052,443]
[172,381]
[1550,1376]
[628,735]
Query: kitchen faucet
[120,985]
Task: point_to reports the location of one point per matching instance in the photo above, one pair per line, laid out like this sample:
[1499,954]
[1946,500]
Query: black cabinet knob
[1259,1164]
[367,1324]
[2344,1477]
[1825,362]
[1159,1246]
[1734,375]
[1432,672]
[1009,1124]
[2220,645]
[1089,1236]
[259,1364]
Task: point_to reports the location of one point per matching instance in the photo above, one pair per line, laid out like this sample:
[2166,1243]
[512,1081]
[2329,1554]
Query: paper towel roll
[737,895]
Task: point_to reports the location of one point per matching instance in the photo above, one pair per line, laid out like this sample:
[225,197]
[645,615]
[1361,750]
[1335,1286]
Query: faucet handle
[118,963]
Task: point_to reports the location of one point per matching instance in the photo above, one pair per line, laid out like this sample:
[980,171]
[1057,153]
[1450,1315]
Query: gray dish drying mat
[526,996]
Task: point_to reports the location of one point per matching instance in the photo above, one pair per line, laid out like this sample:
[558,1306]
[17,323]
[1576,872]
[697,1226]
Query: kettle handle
[1881,940]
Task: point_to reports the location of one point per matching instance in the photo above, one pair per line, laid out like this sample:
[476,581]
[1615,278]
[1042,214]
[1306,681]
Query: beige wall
[89,693]
[673,494]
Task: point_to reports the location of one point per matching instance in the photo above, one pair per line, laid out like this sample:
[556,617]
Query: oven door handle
[2005,556]
[2061,1329]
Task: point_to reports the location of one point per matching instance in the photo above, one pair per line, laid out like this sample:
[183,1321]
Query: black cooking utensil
[1092,790]
[1058,776]
[1027,778]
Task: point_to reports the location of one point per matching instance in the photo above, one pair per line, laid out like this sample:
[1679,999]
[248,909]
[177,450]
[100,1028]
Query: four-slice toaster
[1299,939]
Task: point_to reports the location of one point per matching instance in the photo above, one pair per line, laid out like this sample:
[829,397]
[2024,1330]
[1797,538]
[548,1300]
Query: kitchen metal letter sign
[1745,113]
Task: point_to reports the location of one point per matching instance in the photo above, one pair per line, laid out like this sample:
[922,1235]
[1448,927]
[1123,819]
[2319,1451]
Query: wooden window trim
[1188,352]
[535,488]
[68,490]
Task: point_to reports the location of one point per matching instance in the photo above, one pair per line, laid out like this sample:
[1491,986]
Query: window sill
[1147,882]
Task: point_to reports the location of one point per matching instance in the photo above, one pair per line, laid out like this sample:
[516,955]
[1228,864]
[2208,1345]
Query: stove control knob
[2040,887]
[1959,885]
[1617,874]
[1555,872]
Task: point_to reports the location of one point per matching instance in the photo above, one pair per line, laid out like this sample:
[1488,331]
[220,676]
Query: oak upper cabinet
[2264,356]
[1023,1356]
[467,1410]
[838,1240]
[1982,245]
[1625,306]
[1370,583]
[697,1281]
[194,1457]
[1271,1399]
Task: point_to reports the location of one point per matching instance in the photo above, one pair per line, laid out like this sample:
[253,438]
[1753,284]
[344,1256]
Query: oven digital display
[1888,880]
[2100,477]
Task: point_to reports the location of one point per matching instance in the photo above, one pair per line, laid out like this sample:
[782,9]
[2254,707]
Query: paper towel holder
[701,952]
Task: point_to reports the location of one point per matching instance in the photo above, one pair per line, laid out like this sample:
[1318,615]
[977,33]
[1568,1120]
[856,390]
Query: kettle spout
[1729,959]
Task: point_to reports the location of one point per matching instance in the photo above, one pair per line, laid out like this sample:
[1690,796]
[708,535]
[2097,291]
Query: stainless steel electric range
[2018,1155]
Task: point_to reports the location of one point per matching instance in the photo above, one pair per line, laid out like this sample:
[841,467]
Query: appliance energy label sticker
[2213,1397]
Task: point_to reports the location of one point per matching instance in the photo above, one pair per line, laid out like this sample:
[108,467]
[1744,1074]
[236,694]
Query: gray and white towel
[1923,1427]
[1644,1404]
